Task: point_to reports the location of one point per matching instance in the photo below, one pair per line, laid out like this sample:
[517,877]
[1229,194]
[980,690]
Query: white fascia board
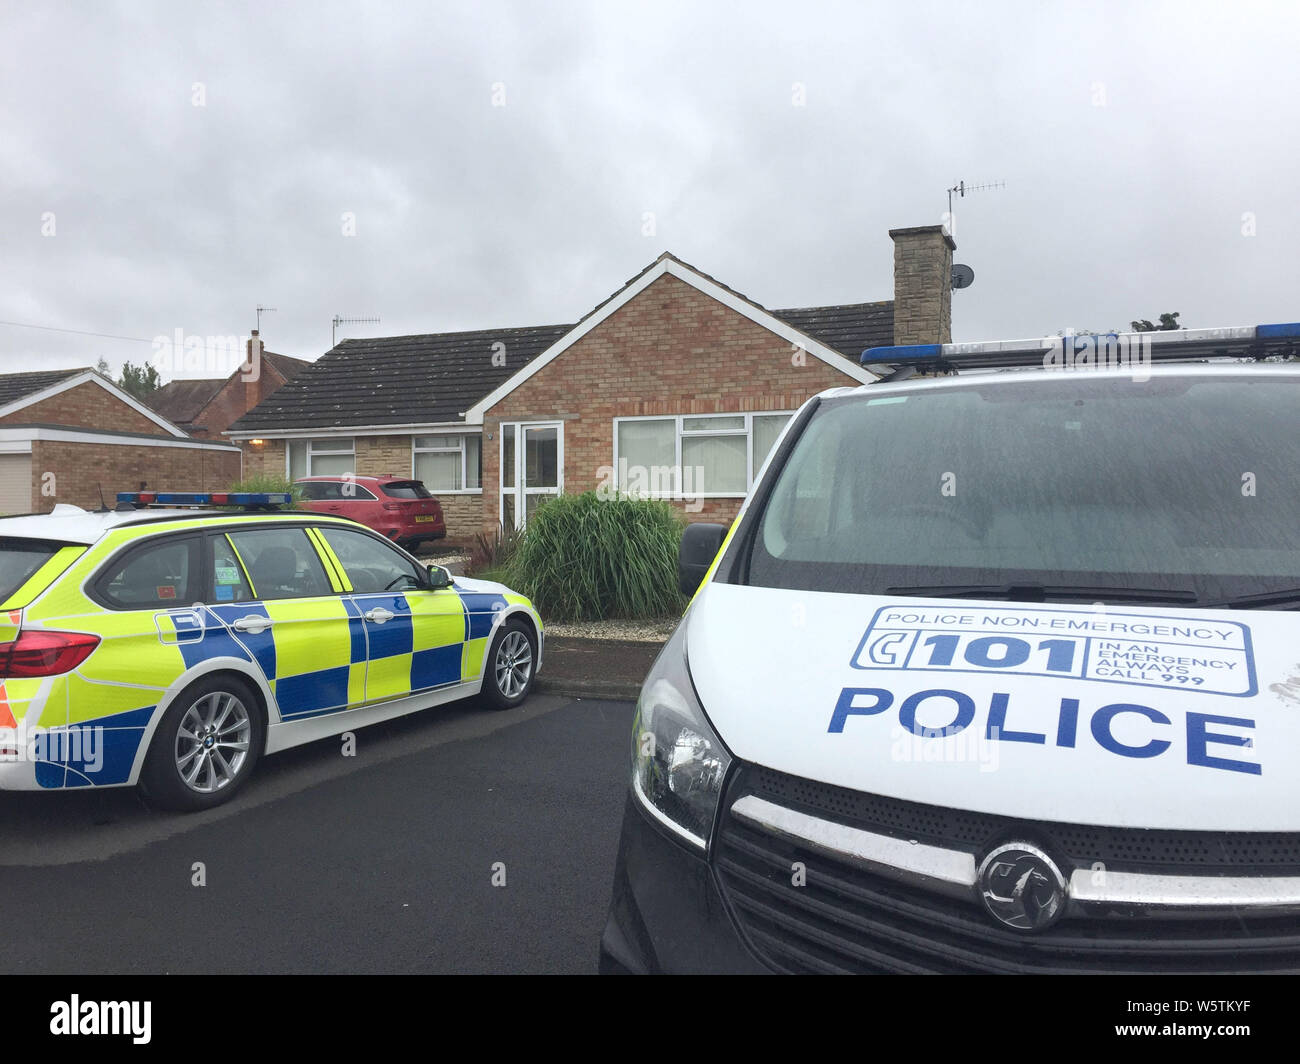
[91,376]
[27,435]
[357,430]
[474,415]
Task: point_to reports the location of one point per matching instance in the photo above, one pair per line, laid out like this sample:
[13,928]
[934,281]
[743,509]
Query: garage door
[15,483]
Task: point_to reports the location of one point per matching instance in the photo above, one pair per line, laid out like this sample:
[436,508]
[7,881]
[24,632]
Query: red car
[397,507]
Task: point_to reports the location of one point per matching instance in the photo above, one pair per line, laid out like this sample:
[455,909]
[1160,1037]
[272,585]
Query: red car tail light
[45,653]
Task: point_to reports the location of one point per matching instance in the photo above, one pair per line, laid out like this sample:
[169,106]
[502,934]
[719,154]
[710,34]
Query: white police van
[995,671]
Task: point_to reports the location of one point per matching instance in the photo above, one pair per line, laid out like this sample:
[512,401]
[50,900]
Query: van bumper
[667,914]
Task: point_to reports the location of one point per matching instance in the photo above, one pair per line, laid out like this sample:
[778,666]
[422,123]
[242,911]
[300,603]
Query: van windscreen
[1180,486]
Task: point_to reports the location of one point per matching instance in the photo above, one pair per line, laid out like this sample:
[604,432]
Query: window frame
[680,432]
[313,451]
[210,569]
[95,583]
[276,526]
[451,434]
[421,568]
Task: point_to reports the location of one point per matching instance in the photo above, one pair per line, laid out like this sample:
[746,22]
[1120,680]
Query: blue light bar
[1289,331]
[905,353]
[1121,350]
[205,498]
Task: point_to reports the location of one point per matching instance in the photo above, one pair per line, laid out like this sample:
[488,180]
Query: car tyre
[510,666]
[206,746]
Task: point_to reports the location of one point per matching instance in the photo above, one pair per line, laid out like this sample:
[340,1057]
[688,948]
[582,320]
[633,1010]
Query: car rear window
[406,489]
[19,560]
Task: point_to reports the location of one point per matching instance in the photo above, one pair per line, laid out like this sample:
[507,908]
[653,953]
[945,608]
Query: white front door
[532,468]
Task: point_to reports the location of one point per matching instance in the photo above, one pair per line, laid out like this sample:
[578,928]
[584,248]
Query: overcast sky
[171,166]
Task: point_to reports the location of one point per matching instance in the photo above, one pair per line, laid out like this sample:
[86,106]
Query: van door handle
[379,615]
[254,624]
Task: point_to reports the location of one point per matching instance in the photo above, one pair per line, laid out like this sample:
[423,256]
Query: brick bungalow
[675,386]
[67,434]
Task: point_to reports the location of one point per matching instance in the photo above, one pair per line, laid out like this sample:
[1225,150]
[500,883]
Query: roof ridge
[835,306]
[47,372]
[458,332]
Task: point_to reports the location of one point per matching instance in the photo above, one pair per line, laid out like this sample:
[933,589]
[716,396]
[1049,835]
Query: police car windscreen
[1179,483]
[19,559]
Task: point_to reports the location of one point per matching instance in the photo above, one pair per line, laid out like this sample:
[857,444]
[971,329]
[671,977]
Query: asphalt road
[381,862]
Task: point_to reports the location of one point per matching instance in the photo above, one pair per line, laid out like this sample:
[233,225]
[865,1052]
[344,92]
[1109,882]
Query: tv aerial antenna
[348,321]
[260,311]
[961,188]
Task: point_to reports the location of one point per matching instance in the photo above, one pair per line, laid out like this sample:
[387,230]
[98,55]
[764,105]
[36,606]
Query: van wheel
[205,747]
[510,667]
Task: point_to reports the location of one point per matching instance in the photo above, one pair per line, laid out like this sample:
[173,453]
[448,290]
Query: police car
[173,647]
[994,671]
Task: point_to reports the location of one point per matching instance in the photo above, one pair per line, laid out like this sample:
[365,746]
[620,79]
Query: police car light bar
[139,499]
[1098,350]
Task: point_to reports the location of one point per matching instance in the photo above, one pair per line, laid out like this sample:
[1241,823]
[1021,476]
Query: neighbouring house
[675,386]
[68,435]
[205,407]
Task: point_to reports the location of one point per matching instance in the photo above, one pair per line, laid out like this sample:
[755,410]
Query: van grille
[847,919]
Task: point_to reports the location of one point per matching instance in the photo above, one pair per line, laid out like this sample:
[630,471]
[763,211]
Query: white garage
[15,483]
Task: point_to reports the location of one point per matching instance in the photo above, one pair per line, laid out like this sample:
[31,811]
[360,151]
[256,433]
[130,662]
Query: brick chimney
[250,373]
[922,285]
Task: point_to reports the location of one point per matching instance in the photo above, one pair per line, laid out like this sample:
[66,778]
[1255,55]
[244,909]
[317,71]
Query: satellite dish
[962,276]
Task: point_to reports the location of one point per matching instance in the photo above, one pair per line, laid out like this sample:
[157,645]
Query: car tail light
[45,653]
[394,506]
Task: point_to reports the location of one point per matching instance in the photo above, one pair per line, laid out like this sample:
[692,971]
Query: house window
[716,451]
[448,463]
[322,457]
[690,454]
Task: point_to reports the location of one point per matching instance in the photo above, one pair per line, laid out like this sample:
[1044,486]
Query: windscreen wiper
[1287,598]
[1044,592]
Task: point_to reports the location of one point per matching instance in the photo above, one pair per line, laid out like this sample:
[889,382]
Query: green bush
[584,558]
[269,482]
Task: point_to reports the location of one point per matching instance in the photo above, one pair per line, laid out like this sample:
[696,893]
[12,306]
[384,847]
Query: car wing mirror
[700,545]
[439,577]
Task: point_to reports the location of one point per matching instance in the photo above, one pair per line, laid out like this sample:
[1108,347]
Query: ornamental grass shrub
[587,557]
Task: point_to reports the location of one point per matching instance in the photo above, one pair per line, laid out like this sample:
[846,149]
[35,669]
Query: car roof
[1012,377]
[71,524]
[329,477]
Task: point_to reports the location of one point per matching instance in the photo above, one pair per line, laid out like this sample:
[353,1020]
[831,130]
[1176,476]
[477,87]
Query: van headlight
[678,763]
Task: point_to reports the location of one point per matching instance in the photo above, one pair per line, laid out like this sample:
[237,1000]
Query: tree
[102,367]
[1168,322]
[139,381]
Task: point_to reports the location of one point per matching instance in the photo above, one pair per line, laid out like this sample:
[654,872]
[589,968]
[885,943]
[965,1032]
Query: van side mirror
[439,578]
[700,545]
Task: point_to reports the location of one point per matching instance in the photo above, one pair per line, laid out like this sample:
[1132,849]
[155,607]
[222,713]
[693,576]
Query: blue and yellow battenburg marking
[422,643]
[318,655]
